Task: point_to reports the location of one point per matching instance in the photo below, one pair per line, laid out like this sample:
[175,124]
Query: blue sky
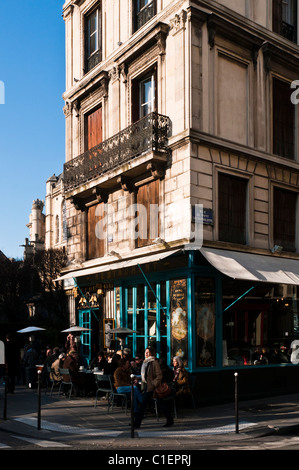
[32,132]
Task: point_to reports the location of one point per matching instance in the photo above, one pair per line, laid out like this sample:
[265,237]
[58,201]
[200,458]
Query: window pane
[283,120]
[205,322]
[260,328]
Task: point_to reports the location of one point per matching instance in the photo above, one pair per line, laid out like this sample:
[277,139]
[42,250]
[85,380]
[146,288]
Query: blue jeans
[137,394]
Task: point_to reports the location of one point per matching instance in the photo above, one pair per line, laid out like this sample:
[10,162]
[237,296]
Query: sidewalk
[77,420]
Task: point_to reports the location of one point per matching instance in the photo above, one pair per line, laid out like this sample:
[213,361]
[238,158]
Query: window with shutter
[232,209]
[95,238]
[284,218]
[148,216]
[283,120]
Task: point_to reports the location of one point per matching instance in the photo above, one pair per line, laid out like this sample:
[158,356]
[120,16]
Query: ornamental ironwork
[145,14]
[148,134]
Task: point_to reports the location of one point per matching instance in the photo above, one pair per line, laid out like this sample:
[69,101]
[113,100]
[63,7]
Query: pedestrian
[12,362]
[151,376]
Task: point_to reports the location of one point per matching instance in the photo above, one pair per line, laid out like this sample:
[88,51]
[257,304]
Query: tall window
[232,208]
[93,129]
[95,236]
[144,10]
[93,40]
[284,222]
[285,18]
[283,120]
[147,200]
[143,96]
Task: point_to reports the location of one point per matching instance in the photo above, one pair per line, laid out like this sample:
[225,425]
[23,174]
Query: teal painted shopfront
[183,305]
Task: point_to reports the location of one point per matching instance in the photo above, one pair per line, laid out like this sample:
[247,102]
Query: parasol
[30,329]
[74,329]
[122,331]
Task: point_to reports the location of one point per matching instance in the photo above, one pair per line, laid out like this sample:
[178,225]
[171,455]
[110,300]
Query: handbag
[163,390]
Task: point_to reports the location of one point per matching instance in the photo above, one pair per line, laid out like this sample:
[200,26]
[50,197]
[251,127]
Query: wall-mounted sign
[203,215]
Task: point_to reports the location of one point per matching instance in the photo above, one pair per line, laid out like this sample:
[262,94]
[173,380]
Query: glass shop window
[205,321]
[261,328]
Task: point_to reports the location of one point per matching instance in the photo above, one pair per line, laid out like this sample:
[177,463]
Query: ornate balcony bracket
[157,169]
[126,183]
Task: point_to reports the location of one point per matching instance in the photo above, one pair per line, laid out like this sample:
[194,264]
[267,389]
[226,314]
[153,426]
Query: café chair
[66,381]
[105,385]
[50,379]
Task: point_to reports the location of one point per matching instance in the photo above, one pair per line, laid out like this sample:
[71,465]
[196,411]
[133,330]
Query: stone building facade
[180,181]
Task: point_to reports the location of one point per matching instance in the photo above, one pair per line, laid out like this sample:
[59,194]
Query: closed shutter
[93,134]
[95,245]
[232,205]
[283,120]
[148,221]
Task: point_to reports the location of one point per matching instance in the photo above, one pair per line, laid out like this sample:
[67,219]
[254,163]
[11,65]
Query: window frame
[279,220]
[246,180]
[91,59]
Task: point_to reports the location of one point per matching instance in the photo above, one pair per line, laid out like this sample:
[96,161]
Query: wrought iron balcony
[148,134]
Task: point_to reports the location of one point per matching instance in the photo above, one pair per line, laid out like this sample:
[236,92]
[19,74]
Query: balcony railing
[148,134]
[289,31]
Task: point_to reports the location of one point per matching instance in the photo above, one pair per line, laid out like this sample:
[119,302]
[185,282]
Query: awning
[118,265]
[252,267]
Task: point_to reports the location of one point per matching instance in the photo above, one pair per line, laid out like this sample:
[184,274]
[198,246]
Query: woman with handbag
[151,376]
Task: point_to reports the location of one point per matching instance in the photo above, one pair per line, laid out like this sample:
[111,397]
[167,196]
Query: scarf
[144,367]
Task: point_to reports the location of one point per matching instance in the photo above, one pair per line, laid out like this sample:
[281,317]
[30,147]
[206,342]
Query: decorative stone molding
[178,22]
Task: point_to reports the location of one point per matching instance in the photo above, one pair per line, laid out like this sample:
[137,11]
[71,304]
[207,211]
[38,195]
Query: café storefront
[220,310]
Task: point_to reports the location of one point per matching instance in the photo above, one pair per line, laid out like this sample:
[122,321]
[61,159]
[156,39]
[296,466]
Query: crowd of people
[148,371]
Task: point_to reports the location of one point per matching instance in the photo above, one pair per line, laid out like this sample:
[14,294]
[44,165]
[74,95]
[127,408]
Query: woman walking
[151,376]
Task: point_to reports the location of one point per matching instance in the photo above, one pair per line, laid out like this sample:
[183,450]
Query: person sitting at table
[71,363]
[122,382]
[180,377]
[99,361]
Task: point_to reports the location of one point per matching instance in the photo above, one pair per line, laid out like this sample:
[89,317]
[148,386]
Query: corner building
[181,115]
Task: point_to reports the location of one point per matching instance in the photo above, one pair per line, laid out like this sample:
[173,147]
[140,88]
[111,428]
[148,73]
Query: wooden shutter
[148,195]
[277,16]
[95,245]
[93,134]
[232,213]
[284,230]
[283,120]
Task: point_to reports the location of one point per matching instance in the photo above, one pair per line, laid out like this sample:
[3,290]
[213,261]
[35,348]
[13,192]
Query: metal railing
[148,134]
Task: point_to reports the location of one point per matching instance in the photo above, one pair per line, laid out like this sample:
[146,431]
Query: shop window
[285,18]
[93,39]
[179,319]
[144,96]
[145,312]
[284,218]
[283,120]
[144,10]
[259,328]
[205,322]
[232,209]
[147,215]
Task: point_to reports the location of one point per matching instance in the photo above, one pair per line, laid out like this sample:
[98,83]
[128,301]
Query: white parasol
[75,329]
[30,329]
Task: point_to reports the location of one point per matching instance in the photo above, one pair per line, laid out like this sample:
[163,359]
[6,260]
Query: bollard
[39,399]
[236,403]
[132,405]
[5,398]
